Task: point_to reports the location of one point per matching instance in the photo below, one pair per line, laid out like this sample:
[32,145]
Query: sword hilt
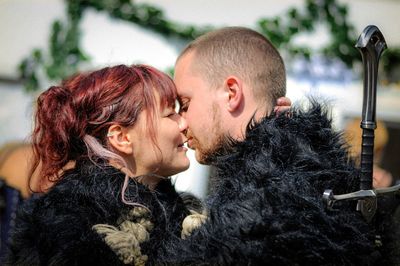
[371,44]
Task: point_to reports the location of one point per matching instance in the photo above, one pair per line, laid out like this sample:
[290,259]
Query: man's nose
[182,113]
[182,123]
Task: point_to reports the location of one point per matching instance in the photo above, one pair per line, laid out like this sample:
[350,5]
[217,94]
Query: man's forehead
[183,67]
[183,85]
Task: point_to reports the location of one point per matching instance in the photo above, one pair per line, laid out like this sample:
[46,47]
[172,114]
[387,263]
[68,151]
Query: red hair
[71,116]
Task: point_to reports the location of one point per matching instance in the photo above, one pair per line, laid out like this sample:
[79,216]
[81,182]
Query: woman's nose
[182,123]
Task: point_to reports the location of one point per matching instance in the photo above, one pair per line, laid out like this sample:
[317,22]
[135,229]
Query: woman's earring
[112,133]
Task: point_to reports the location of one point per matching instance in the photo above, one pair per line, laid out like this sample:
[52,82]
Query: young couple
[105,143]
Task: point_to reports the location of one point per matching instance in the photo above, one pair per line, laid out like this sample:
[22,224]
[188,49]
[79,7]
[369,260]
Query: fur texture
[56,228]
[267,206]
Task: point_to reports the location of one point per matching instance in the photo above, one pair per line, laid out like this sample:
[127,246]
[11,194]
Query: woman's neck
[147,179]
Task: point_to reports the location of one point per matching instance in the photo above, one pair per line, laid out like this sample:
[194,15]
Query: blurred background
[43,41]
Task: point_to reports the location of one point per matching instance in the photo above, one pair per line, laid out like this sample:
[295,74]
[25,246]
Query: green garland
[282,30]
[65,54]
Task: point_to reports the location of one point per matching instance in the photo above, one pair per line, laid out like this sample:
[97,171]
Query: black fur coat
[56,228]
[266,207]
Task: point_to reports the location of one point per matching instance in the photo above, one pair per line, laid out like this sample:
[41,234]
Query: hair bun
[55,96]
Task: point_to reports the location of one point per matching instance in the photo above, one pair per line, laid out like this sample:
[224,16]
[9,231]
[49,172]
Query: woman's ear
[235,93]
[119,139]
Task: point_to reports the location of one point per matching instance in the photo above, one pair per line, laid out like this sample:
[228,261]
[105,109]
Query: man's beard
[221,146]
[221,143]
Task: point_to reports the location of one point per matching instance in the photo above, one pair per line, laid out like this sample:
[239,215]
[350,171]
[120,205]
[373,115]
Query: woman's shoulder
[75,202]
[58,224]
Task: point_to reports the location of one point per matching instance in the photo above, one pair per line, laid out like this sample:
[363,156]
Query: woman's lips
[183,145]
[182,148]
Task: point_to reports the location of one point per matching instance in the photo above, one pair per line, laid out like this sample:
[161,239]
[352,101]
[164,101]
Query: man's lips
[190,143]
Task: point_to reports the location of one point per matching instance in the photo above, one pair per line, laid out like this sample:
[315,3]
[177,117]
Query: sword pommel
[372,37]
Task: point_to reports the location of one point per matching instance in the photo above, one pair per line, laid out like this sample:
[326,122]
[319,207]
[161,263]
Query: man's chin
[206,158]
[200,158]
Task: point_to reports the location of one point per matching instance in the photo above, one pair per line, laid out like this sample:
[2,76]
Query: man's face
[200,106]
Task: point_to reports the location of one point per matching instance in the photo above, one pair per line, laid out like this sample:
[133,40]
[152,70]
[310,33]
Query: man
[224,79]
[266,203]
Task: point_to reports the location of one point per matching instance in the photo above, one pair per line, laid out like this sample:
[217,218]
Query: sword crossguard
[369,198]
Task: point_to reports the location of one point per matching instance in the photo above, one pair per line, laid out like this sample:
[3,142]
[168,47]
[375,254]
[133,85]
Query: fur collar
[56,228]
[267,206]
[298,150]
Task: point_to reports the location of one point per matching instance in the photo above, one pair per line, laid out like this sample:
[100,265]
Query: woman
[105,142]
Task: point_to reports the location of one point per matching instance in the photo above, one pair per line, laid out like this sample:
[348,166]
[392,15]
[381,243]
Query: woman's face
[167,156]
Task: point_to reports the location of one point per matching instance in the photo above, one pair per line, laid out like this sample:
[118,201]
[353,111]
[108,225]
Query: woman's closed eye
[172,114]
[169,112]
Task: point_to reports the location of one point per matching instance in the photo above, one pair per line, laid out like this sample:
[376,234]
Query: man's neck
[254,115]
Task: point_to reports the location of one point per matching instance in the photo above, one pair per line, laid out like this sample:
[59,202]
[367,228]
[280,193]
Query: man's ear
[234,87]
[119,139]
